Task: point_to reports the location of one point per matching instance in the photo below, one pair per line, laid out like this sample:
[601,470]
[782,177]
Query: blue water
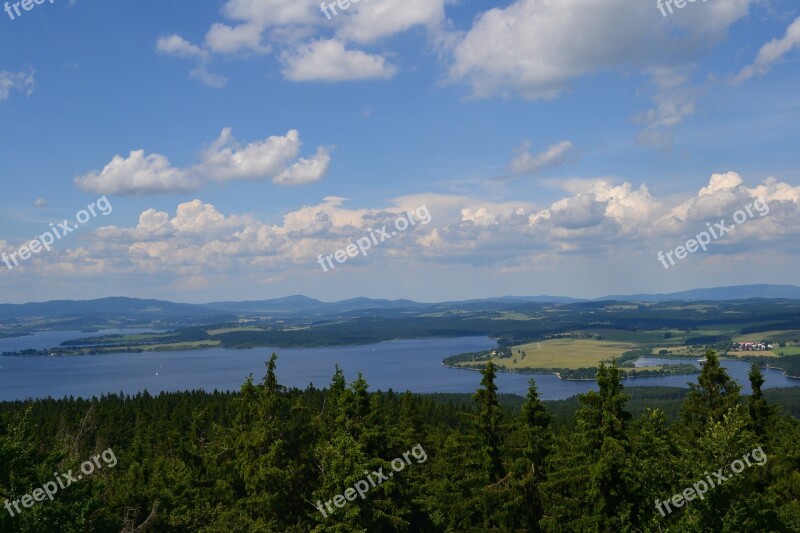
[413,365]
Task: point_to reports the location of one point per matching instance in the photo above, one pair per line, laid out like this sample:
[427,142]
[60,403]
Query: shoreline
[558,374]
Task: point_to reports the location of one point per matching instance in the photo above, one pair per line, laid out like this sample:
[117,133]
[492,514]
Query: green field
[233,330]
[509,315]
[564,353]
[774,335]
[654,337]
[684,351]
[789,350]
[195,345]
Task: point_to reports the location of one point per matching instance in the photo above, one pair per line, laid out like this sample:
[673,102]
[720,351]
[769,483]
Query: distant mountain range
[736,292]
[303,305]
[105,306]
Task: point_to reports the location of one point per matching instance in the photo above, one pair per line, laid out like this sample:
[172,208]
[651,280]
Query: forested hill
[270,459]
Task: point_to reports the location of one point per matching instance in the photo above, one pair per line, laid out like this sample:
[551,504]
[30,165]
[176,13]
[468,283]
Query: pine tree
[654,470]
[602,422]
[711,398]
[488,420]
[526,507]
[760,411]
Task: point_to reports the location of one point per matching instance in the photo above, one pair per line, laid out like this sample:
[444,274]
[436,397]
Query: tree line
[259,460]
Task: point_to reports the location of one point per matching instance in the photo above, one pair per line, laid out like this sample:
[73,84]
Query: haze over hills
[302,305]
[736,292]
[118,304]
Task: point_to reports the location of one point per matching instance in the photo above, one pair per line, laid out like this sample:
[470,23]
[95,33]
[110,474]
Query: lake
[413,365]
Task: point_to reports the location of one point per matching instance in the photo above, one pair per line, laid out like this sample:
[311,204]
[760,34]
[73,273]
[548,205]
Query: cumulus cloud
[225,159]
[328,60]
[262,26]
[306,170]
[137,174]
[578,212]
[597,224]
[22,81]
[274,158]
[553,155]
[202,74]
[225,39]
[271,13]
[675,100]
[601,218]
[367,22]
[39,203]
[537,48]
[176,46]
[771,52]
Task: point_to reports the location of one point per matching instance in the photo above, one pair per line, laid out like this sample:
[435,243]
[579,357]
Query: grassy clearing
[144,337]
[686,351]
[676,337]
[565,353]
[760,353]
[786,335]
[789,350]
[509,315]
[696,307]
[233,330]
[176,346]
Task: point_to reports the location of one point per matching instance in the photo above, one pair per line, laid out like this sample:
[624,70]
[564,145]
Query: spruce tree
[489,419]
[711,397]
[760,410]
[526,507]
[602,422]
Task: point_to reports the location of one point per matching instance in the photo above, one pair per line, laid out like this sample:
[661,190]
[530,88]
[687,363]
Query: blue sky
[558,145]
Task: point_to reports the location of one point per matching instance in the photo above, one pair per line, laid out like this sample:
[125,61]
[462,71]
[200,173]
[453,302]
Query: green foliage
[712,397]
[262,459]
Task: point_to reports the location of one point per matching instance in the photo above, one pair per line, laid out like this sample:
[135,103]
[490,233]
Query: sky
[226,150]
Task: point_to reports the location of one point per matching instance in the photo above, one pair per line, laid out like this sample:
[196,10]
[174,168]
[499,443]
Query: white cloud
[136,174]
[224,39]
[614,228]
[554,155]
[306,170]
[328,60]
[201,74]
[263,25]
[674,98]
[273,12]
[371,20]
[177,46]
[771,52]
[40,202]
[22,81]
[537,48]
[578,212]
[274,158]
[225,159]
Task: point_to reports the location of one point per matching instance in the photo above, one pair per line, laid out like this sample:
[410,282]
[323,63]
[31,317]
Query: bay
[401,365]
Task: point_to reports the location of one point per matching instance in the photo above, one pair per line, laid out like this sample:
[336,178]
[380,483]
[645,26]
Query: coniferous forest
[268,459]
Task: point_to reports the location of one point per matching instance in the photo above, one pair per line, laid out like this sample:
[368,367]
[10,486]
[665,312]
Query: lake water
[413,365]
